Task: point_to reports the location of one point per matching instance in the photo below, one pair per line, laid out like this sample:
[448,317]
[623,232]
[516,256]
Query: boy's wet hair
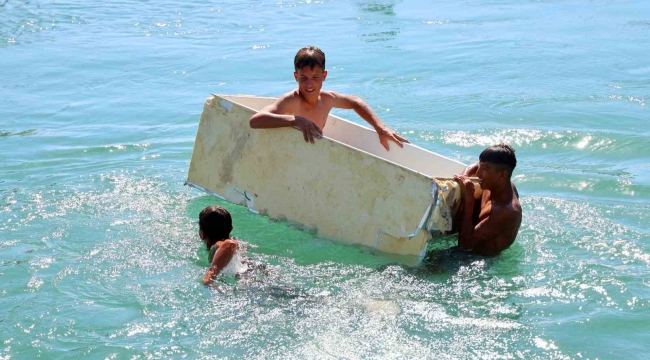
[309,56]
[502,155]
[215,222]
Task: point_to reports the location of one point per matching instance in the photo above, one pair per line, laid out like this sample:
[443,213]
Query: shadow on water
[263,285]
[387,8]
[450,261]
[268,294]
[444,261]
[284,239]
[280,238]
[444,257]
[17,133]
[377,23]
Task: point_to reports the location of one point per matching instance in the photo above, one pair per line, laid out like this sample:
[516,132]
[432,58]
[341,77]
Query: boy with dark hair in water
[491,226]
[215,225]
[307,107]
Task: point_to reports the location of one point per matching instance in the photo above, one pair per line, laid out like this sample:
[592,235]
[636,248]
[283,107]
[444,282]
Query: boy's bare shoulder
[509,214]
[291,95]
[330,97]
[287,102]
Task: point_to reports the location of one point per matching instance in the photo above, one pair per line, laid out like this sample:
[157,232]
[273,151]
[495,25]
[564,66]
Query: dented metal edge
[426,217]
[374,247]
[434,192]
[422,255]
[435,203]
[425,222]
[429,212]
[198,187]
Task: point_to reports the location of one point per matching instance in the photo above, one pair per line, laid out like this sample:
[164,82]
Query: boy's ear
[295,75]
[324,74]
[201,235]
[503,174]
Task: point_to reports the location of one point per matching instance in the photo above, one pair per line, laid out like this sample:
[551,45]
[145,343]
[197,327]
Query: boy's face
[310,81]
[489,175]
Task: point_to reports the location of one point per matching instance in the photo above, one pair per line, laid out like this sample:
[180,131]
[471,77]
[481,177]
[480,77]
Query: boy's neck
[502,194]
[312,100]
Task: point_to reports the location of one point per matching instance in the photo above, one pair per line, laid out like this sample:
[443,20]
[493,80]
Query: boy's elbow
[358,103]
[257,120]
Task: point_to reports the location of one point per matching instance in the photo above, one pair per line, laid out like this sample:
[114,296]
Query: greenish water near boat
[99,106]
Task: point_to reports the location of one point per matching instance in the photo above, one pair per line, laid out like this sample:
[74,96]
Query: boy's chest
[316,114]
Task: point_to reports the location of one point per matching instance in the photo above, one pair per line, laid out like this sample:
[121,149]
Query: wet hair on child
[216,223]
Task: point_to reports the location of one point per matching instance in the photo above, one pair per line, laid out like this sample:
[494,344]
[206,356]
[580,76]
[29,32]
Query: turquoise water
[99,106]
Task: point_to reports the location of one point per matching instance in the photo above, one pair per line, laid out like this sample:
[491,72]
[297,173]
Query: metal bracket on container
[198,187]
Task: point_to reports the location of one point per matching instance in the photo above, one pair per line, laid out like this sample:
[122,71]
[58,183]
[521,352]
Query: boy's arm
[471,169]
[221,259]
[365,112]
[273,116]
[469,235]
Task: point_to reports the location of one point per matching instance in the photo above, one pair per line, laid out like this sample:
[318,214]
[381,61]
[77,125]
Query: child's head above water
[309,65]
[215,224]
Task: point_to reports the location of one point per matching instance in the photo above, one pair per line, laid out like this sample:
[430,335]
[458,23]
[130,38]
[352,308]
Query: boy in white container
[307,107]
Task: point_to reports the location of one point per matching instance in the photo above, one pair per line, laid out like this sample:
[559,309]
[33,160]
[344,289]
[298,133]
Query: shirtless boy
[307,107]
[491,226]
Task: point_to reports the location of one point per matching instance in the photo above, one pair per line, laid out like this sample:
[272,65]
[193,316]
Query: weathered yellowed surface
[342,193]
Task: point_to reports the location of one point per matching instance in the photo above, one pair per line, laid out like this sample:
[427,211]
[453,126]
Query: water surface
[99,106]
